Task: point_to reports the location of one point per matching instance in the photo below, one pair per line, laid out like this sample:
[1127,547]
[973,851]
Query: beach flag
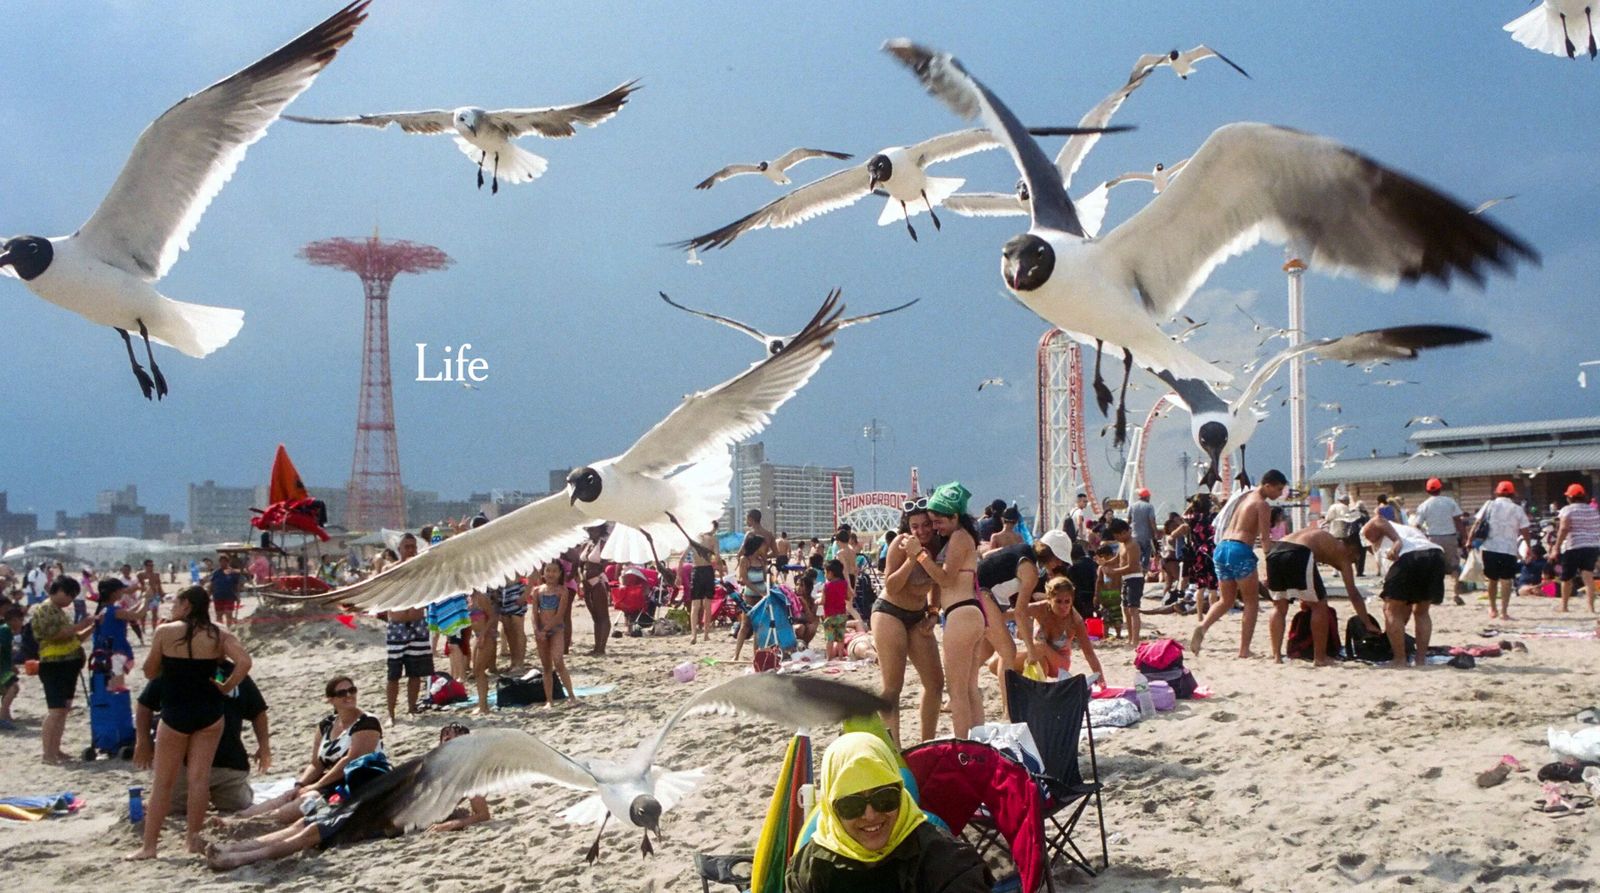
[785,817]
[286,485]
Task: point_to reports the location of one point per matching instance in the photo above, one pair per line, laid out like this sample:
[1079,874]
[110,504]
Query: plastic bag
[1583,744]
[1014,739]
[1035,671]
[1472,568]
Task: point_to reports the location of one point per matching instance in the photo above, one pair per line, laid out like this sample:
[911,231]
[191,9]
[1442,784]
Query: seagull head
[1027,262]
[761,166]
[1173,55]
[585,484]
[645,812]
[1160,166]
[775,347]
[878,170]
[1022,189]
[467,120]
[1211,435]
[28,255]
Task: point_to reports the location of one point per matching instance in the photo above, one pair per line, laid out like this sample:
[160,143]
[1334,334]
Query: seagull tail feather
[195,329]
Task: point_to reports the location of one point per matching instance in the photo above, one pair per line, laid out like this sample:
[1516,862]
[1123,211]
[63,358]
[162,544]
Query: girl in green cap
[953,571]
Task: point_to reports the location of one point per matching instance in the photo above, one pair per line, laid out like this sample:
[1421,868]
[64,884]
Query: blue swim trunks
[1233,560]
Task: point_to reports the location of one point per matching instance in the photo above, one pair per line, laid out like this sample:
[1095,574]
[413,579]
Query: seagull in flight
[1427,420]
[1536,470]
[1189,331]
[1331,407]
[1258,327]
[1333,433]
[1219,425]
[674,477]
[1331,459]
[634,788]
[1551,27]
[1181,63]
[776,344]
[1424,454]
[1389,382]
[1247,182]
[487,136]
[991,383]
[773,170]
[105,272]
[1489,203]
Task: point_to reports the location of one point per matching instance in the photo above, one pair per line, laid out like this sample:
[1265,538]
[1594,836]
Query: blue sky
[555,281]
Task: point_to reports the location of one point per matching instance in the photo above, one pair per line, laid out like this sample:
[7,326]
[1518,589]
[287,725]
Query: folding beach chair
[1057,713]
[969,784]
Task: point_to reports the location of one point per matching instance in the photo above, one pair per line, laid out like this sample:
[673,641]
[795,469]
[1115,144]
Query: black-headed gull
[105,271]
[1246,183]
[487,136]
[1219,425]
[776,344]
[674,477]
[635,789]
[1182,63]
[1426,420]
[1551,27]
[773,170]
[991,383]
[900,172]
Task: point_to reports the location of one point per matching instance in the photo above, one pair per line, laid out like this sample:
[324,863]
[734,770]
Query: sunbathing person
[1056,625]
[872,836]
[1292,573]
[372,814]
[347,734]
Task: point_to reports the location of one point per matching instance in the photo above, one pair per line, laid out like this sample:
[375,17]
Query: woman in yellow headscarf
[872,836]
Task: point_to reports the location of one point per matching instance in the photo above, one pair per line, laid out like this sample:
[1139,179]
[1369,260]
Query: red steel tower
[376,498]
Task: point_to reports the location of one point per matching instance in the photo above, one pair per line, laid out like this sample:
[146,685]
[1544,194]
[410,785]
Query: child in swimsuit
[551,602]
[1110,587]
[836,609]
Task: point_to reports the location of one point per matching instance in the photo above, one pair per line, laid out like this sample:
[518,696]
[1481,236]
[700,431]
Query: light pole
[1295,268]
[1183,472]
[874,432]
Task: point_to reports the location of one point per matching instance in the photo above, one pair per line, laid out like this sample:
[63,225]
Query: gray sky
[555,281]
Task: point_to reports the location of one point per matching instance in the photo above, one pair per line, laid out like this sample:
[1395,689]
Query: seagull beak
[6,259]
[573,498]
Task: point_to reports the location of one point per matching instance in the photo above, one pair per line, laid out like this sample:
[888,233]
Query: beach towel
[582,691]
[32,809]
[449,616]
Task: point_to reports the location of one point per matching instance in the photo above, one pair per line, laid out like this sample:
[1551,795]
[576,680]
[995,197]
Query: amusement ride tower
[376,498]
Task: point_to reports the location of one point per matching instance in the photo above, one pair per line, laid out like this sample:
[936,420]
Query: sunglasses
[913,505]
[342,692]
[883,801]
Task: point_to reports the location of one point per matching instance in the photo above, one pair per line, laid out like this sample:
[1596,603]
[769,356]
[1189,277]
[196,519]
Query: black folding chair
[733,870]
[1057,713]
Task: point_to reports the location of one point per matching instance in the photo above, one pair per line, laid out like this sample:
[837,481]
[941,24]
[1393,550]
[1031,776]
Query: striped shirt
[1583,526]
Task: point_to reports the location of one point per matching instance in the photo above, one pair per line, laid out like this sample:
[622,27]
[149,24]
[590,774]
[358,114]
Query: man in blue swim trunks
[1235,559]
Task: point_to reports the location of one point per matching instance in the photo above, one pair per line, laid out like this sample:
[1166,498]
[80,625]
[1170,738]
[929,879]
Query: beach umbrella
[785,817]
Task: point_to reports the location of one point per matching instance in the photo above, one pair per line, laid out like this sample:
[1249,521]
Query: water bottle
[1141,690]
[135,804]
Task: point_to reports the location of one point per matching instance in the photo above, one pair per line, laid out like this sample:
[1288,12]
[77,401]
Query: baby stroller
[110,712]
[725,607]
[637,595]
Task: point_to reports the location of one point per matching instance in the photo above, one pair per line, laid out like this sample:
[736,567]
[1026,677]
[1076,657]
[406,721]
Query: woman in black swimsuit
[185,654]
[904,629]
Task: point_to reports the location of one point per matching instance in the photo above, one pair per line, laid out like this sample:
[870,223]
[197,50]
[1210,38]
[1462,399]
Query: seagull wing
[800,153]
[478,559]
[837,190]
[1394,343]
[1129,177]
[560,120]
[705,423]
[985,204]
[432,121]
[1172,169]
[1254,181]
[732,170]
[948,146]
[947,81]
[1077,146]
[184,157]
[425,790]
[1204,52]
[793,701]
[869,317]
[1147,63]
[731,323]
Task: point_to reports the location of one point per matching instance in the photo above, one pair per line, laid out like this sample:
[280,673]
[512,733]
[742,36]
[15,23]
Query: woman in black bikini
[185,654]
[904,628]
[953,570]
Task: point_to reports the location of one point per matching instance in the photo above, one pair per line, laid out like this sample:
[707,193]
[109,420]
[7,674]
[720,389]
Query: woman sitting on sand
[343,735]
[872,836]
[185,655]
[1056,625]
[552,601]
[363,818]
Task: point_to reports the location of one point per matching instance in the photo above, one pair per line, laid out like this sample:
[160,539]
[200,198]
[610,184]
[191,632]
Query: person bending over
[1292,573]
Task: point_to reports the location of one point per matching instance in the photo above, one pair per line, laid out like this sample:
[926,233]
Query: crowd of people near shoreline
[946,595]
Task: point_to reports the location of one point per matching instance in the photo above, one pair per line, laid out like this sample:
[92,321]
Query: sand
[1348,778]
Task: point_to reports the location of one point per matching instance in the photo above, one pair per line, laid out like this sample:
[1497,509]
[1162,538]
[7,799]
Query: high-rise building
[217,512]
[793,499]
[16,528]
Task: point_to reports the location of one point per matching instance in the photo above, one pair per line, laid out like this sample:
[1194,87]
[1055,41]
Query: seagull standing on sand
[1551,27]
[105,271]
[1218,426]
[487,136]
[1246,183]
[776,344]
[773,170]
[1181,63]
[636,790]
[674,477]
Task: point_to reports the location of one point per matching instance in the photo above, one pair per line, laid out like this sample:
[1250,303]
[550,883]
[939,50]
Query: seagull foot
[645,847]
[145,384]
[494,186]
[480,178]
[593,854]
[1102,395]
[160,381]
[1120,435]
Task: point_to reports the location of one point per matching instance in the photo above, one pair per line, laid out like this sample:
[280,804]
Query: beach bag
[1480,528]
[1299,645]
[766,660]
[1472,568]
[511,692]
[360,772]
[444,689]
[1160,654]
[1360,644]
[1183,687]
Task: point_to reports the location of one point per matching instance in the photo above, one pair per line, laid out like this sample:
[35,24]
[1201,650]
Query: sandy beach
[1351,777]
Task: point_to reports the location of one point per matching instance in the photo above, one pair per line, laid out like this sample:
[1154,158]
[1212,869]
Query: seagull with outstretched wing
[776,344]
[1182,63]
[488,136]
[774,170]
[105,272]
[673,479]
[991,383]
[1426,420]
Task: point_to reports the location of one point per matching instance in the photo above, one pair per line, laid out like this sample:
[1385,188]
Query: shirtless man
[762,556]
[409,650]
[1129,569]
[150,581]
[780,553]
[1292,573]
[703,584]
[1235,560]
[903,627]
[846,553]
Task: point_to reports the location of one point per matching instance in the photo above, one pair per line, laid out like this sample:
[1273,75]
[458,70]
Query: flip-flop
[1511,761]
[1564,806]
[1590,716]
[1495,776]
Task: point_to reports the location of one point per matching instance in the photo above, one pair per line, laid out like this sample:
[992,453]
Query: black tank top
[999,566]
